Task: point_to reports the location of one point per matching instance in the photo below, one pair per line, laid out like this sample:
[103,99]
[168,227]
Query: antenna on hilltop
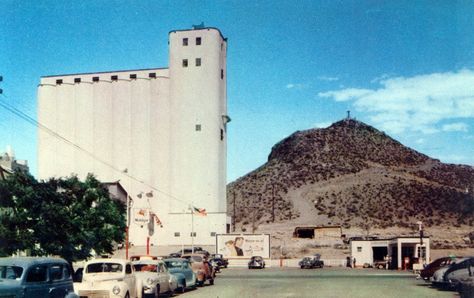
[348,115]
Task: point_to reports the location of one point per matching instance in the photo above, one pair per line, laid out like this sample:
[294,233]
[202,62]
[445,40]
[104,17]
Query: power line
[53,133]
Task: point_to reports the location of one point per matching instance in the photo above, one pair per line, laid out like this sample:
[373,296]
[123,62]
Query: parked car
[438,278]
[143,257]
[256,262]
[189,250]
[181,269]
[154,277]
[36,277]
[310,262]
[427,272]
[221,261]
[462,271]
[108,278]
[201,267]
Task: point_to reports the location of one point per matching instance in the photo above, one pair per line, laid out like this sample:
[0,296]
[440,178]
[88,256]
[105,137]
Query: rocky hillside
[353,175]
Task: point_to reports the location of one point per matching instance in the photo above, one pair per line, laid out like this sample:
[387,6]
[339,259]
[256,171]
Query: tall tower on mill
[159,131]
[199,118]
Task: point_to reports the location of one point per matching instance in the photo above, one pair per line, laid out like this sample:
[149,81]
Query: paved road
[327,282]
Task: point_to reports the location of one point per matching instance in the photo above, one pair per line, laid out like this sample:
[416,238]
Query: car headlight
[116,290]
[149,281]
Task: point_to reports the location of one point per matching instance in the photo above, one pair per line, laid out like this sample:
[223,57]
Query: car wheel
[183,289]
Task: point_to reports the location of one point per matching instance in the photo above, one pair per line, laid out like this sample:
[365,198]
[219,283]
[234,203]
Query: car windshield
[104,267]
[176,264]
[145,267]
[10,272]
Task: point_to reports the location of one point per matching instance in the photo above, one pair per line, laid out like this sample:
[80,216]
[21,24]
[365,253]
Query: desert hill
[353,175]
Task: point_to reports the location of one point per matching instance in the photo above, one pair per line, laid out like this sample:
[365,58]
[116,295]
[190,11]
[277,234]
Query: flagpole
[192,229]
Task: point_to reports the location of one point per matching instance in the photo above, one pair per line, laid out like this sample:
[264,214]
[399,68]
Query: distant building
[8,164]
[403,251]
[318,232]
[161,132]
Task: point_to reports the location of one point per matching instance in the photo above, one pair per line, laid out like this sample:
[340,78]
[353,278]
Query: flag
[199,211]
[142,212]
[157,220]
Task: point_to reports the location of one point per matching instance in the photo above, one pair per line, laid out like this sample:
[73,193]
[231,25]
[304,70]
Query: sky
[404,67]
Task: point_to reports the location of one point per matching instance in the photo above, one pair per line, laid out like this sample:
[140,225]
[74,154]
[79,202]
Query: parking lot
[327,282]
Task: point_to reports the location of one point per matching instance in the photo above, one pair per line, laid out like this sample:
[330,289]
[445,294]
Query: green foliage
[64,217]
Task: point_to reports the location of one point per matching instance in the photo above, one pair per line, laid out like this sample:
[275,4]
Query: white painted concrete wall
[142,132]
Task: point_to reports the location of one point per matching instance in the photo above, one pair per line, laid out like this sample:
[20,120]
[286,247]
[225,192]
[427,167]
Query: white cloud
[328,79]
[416,103]
[346,94]
[455,127]
[295,86]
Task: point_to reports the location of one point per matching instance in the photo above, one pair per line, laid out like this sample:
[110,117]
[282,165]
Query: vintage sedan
[35,277]
[427,272]
[462,271]
[256,262]
[114,278]
[201,267]
[181,269]
[154,277]
[311,262]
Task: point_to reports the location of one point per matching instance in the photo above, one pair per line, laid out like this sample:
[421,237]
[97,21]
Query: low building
[318,232]
[402,251]
[8,164]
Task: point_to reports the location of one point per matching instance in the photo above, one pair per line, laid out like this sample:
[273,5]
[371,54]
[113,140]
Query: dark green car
[36,277]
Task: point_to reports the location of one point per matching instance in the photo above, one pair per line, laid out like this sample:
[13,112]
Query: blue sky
[404,67]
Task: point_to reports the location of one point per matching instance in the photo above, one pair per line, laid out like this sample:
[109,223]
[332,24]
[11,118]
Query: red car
[430,269]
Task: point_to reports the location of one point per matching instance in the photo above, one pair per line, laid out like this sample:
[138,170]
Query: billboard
[243,246]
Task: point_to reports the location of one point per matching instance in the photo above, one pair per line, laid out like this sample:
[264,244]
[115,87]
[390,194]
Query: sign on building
[243,246]
[141,216]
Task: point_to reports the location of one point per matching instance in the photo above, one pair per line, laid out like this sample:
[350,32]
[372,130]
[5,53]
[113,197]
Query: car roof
[106,260]
[25,261]
[176,259]
[143,262]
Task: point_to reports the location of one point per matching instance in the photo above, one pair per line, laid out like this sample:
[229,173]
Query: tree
[64,217]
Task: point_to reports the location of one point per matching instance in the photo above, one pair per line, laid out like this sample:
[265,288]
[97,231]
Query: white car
[113,278]
[154,278]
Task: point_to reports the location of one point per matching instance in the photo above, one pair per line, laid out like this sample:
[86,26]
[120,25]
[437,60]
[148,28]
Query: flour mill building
[160,132]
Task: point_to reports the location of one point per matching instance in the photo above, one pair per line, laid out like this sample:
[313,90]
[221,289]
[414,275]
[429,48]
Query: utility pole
[273,202]
[233,214]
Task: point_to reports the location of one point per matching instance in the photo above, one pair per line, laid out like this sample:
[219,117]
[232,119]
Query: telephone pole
[273,202]
[233,213]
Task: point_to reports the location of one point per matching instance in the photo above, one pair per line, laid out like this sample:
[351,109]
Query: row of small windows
[192,234]
[186,41]
[197,62]
[132,76]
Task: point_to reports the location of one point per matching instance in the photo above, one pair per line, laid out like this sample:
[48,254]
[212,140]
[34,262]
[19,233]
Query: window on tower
[222,74]
[198,41]
[185,41]
[198,61]
[177,234]
[185,62]
[198,127]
